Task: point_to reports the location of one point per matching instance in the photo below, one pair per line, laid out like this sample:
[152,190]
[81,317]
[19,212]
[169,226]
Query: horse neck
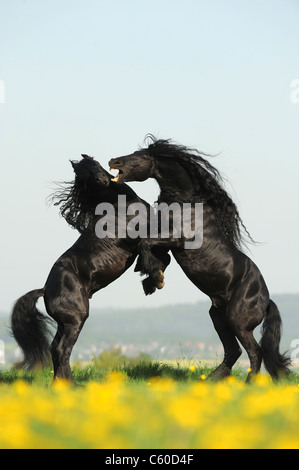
[111,194]
[92,196]
[174,182]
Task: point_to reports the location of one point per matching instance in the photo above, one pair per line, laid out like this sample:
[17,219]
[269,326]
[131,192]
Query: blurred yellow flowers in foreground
[159,413]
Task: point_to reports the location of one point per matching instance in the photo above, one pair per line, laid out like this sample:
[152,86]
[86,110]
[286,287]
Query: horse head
[89,171]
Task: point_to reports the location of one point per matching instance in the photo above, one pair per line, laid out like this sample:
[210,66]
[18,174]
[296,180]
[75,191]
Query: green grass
[134,371]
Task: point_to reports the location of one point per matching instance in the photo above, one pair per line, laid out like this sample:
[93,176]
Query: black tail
[30,329]
[276,364]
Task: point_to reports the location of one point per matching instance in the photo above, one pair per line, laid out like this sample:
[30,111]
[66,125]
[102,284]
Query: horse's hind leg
[69,307]
[232,350]
[54,346]
[253,350]
[62,346]
[244,320]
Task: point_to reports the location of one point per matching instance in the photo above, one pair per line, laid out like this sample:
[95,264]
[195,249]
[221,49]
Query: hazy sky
[95,76]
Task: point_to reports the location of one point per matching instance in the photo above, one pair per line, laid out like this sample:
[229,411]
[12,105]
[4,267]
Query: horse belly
[110,271]
[211,277]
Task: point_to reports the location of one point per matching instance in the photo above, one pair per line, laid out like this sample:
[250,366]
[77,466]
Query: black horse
[239,295]
[88,266]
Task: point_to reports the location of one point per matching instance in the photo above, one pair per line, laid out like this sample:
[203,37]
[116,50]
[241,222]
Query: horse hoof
[160,284]
[221,372]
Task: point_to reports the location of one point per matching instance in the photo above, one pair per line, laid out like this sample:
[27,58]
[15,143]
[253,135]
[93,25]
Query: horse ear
[74,164]
[87,157]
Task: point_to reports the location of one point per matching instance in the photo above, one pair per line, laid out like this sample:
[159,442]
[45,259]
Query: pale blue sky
[95,76]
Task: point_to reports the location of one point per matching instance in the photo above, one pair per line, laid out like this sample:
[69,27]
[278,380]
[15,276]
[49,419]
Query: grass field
[147,405]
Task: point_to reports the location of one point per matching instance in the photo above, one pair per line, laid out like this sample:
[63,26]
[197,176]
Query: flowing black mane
[77,199]
[208,185]
[75,205]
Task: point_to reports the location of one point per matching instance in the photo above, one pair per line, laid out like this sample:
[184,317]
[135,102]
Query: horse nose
[115,162]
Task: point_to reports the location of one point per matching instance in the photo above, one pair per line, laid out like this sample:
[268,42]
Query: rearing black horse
[239,295]
[86,267]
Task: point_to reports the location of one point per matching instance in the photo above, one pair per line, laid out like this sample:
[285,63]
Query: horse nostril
[115,162]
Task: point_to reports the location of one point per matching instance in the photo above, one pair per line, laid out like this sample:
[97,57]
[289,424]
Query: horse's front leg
[151,265]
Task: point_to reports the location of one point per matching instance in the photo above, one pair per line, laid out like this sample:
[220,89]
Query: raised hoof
[160,280]
[148,286]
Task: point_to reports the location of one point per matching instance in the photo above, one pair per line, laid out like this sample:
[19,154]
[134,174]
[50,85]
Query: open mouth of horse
[116,177]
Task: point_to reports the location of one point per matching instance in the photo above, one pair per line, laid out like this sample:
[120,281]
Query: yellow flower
[116,377]
[62,384]
[22,387]
[192,368]
[111,414]
[262,380]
